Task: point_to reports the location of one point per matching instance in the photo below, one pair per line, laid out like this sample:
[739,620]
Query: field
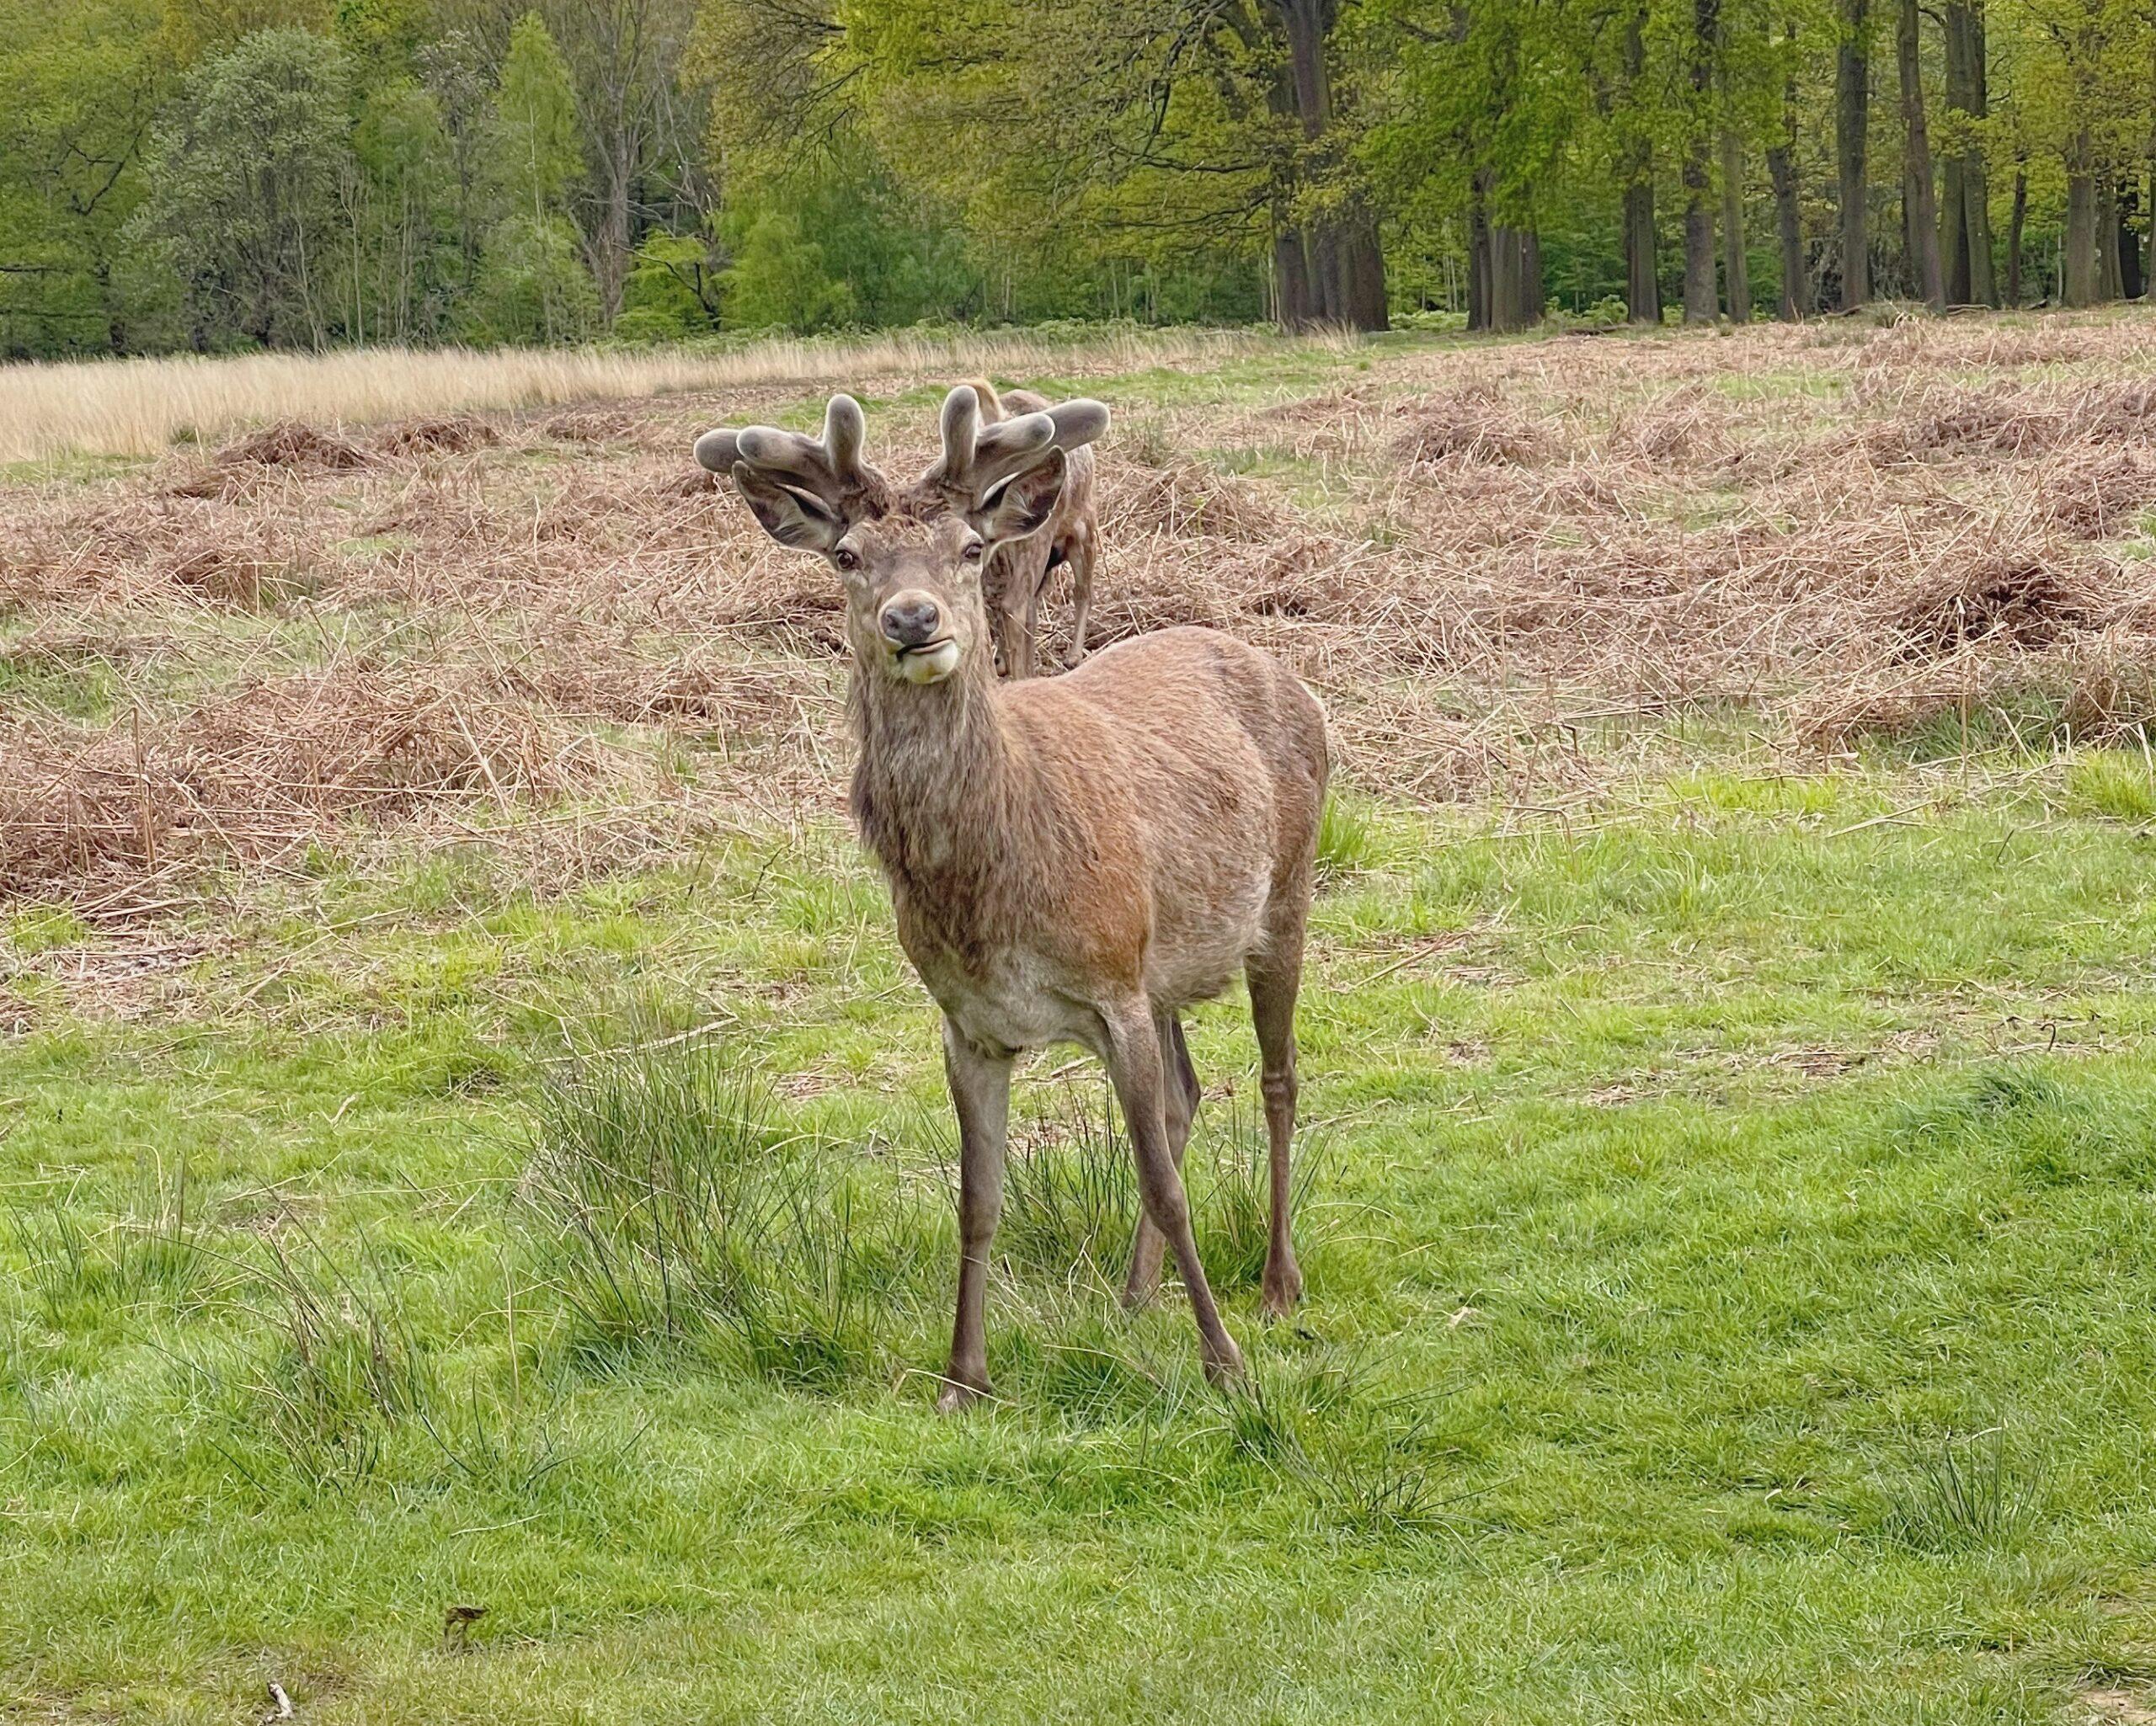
[475,1240]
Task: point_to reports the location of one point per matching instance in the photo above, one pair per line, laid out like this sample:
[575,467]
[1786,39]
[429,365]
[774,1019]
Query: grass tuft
[1968,1492]
[347,1371]
[680,1205]
[156,1253]
[1348,840]
[2113,783]
[1069,1196]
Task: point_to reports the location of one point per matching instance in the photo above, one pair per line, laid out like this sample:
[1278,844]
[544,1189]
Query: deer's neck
[937,793]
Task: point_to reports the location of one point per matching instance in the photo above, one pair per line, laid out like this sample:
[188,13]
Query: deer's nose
[910,621]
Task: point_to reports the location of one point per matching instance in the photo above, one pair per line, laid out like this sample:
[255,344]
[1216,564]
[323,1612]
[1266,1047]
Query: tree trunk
[1852,126]
[1790,234]
[2078,279]
[1642,273]
[1478,263]
[1965,222]
[1346,267]
[1532,303]
[2132,283]
[1363,299]
[1642,279]
[2013,226]
[2110,275]
[1700,302]
[1920,209]
[1291,281]
[1515,284]
[1324,274]
[1699,245]
[1735,267]
[613,245]
[1789,230]
[1953,235]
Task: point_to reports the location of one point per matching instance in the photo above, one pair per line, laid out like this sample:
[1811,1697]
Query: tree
[193,29]
[1642,273]
[1919,206]
[1796,297]
[1699,218]
[1852,138]
[1965,213]
[403,210]
[243,178]
[455,75]
[532,282]
[778,278]
[532,285]
[1736,268]
[80,90]
[1343,278]
[534,154]
[623,55]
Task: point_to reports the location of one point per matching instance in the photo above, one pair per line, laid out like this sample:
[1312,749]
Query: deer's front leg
[1134,1066]
[1081,587]
[980,1091]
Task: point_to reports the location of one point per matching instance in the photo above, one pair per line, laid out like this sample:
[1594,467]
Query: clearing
[476,1241]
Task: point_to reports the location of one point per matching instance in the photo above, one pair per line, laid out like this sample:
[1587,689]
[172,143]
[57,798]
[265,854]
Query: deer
[1017,573]
[1075,860]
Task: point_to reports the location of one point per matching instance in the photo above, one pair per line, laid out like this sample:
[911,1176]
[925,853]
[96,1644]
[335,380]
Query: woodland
[218,175]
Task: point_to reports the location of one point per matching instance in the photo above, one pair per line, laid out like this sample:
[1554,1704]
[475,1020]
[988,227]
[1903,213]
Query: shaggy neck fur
[937,793]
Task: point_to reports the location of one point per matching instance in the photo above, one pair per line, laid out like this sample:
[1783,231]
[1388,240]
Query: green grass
[1728,1224]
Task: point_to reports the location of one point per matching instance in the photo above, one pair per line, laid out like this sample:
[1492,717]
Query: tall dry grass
[141,407]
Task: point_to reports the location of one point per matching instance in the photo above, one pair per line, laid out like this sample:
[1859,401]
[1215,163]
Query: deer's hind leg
[1133,1046]
[1180,1090]
[1275,979]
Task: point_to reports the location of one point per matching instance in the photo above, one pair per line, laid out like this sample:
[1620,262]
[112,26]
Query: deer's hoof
[958,1396]
[1226,1371]
[1283,1294]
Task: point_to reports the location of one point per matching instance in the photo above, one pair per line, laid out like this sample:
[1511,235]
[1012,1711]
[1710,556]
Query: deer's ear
[792,516]
[1022,503]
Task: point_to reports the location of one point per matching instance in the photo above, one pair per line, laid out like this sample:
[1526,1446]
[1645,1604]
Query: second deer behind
[1017,578]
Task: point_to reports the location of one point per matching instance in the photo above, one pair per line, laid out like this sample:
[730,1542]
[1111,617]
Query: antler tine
[961,426]
[981,456]
[718,449]
[845,431]
[830,468]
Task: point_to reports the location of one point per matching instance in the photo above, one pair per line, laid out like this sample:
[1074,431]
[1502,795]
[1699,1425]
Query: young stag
[1016,576]
[1073,859]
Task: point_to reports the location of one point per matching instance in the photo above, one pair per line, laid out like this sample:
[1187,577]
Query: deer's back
[1196,764]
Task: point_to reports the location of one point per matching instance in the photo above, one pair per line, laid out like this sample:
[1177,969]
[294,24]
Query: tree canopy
[213,174]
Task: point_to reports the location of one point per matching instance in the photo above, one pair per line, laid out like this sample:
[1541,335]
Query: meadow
[474,1169]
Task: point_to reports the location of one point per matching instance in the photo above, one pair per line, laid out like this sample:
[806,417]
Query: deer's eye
[846,558]
[972,553]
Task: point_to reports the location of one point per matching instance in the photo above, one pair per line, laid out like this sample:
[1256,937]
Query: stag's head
[910,562]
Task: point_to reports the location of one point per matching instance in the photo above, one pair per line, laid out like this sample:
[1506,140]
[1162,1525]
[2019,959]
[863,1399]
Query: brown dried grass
[1468,425]
[2098,688]
[448,434]
[1501,553]
[273,764]
[293,444]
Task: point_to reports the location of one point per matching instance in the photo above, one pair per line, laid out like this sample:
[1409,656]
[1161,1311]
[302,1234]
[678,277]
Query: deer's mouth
[930,661]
